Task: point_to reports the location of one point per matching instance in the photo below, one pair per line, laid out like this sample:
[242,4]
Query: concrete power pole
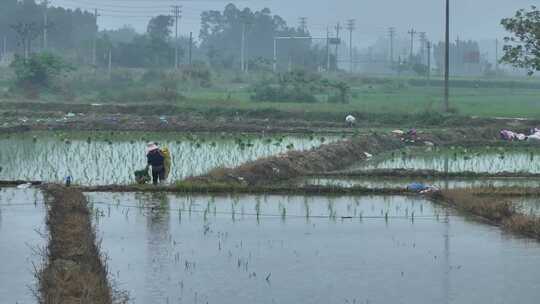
[392,33]
[496,57]
[45,23]
[351,27]
[327,49]
[412,32]
[94,44]
[447,59]
[303,24]
[243,48]
[428,45]
[176,10]
[190,48]
[423,40]
[338,29]
[109,70]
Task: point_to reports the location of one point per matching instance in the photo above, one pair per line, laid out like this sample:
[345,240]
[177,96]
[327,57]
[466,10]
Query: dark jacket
[155,158]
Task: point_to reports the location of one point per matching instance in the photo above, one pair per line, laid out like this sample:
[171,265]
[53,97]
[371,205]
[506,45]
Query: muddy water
[22,214]
[404,182]
[490,160]
[94,158]
[217,250]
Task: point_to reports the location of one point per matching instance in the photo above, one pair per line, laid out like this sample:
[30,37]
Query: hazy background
[471,19]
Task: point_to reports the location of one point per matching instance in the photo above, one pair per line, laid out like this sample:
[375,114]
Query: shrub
[38,71]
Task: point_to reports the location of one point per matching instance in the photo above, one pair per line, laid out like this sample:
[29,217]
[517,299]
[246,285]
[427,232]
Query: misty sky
[471,19]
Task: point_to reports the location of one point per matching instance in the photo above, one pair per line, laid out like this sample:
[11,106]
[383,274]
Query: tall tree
[523,48]
[160,27]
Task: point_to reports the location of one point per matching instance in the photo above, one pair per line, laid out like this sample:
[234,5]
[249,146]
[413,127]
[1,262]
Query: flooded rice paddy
[296,249]
[484,160]
[402,183]
[97,158]
[22,225]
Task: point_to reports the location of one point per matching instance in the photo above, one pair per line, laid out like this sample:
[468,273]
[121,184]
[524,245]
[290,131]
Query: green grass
[482,102]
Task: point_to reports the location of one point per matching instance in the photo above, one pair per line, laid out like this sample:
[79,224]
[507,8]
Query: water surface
[177,249]
[22,224]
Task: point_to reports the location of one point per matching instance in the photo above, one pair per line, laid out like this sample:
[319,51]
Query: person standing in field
[156,159]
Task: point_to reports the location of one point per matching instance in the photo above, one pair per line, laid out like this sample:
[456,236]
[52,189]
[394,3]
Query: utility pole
[392,33]
[110,62]
[96,15]
[190,48]
[303,24]
[447,59]
[496,57]
[45,23]
[176,10]
[4,52]
[428,45]
[351,27]
[338,28]
[412,32]
[327,49]
[275,55]
[243,47]
[423,39]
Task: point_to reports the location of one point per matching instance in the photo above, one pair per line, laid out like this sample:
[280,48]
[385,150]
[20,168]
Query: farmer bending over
[157,161]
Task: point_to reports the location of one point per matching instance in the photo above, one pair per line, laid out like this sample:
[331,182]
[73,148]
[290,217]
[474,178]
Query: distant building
[6,59]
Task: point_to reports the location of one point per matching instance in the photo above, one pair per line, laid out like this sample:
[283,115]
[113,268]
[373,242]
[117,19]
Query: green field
[485,102]
[502,97]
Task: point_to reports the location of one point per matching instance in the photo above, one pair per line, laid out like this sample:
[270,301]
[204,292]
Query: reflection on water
[96,158]
[295,249]
[22,215]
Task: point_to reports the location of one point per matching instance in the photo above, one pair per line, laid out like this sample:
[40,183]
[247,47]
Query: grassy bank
[75,270]
[494,209]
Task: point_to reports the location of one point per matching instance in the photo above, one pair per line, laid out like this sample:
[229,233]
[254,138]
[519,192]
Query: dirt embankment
[293,164]
[75,271]
[496,210]
[335,156]
[21,116]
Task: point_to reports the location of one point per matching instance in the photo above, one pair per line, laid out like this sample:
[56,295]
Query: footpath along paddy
[252,249]
[101,158]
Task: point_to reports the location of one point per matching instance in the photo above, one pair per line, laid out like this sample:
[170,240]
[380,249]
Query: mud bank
[330,157]
[217,188]
[25,115]
[75,271]
[494,210]
[338,156]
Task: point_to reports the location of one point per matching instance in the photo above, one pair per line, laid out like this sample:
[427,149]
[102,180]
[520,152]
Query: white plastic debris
[24,186]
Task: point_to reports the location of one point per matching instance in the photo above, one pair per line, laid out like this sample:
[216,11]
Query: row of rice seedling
[94,158]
